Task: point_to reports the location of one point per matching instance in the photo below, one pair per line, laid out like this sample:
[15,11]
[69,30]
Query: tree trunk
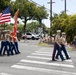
[24,28]
[40,21]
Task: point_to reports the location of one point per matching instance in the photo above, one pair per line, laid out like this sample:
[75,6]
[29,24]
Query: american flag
[5,15]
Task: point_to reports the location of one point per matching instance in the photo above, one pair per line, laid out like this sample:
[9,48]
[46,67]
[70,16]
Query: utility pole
[50,13]
[50,16]
[65,6]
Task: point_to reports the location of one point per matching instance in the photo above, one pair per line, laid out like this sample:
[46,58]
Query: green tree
[29,10]
[59,22]
[26,8]
[67,23]
[3,4]
[71,28]
[20,28]
[41,14]
[55,23]
[32,27]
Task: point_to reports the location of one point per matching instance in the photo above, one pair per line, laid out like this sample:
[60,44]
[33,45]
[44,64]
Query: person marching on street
[57,46]
[8,39]
[12,45]
[15,39]
[63,44]
[4,45]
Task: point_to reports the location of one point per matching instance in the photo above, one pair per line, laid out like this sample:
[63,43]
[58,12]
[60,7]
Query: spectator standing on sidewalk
[74,41]
[25,38]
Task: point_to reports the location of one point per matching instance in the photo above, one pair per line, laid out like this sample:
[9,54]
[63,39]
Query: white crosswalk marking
[41,69]
[44,63]
[41,54]
[46,58]
[5,74]
[38,57]
[41,57]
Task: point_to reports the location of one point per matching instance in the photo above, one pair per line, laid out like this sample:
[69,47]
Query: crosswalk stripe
[41,54]
[47,54]
[44,50]
[42,70]
[5,74]
[37,57]
[68,60]
[45,63]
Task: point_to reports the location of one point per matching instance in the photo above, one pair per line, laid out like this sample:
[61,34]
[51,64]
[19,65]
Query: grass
[70,48]
[46,45]
[42,44]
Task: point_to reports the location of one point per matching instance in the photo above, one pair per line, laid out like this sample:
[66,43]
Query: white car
[32,36]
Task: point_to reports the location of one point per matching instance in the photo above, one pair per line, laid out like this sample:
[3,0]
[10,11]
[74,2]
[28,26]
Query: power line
[41,5]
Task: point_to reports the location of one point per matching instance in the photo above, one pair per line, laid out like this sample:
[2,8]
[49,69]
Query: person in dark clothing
[57,46]
[4,45]
[63,44]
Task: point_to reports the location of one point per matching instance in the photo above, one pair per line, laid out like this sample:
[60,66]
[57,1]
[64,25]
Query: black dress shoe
[69,58]
[63,59]
[57,58]
[54,60]
[19,52]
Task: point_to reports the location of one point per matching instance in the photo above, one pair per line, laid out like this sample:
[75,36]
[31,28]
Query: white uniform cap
[58,30]
[63,33]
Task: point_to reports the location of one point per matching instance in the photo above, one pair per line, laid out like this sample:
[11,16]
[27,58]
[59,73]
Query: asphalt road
[36,60]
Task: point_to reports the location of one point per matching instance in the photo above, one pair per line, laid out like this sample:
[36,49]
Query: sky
[57,7]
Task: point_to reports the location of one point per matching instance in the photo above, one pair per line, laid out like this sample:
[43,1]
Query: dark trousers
[56,47]
[64,50]
[13,47]
[4,45]
[16,45]
[9,46]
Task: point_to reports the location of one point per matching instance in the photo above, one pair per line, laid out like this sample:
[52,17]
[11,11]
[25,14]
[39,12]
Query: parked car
[31,36]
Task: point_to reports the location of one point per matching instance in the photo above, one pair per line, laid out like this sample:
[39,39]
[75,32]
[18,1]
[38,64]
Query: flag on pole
[14,31]
[5,15]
